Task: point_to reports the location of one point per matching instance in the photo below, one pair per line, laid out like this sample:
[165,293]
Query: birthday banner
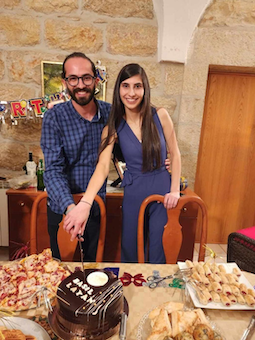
[28,109]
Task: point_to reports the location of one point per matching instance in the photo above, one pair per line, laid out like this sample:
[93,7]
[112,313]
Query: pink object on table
[249,232]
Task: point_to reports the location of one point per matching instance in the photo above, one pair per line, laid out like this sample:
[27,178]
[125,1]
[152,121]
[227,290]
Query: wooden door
[225,177]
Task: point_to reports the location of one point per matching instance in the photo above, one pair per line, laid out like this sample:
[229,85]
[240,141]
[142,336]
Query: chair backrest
[172,235]
[66,247]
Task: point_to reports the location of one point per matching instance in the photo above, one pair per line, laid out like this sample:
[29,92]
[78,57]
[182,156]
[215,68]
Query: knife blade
[81,253]
[249,330]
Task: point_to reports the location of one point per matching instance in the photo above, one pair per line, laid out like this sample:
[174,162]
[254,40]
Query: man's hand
[171,199]
[167,164]
[76,220]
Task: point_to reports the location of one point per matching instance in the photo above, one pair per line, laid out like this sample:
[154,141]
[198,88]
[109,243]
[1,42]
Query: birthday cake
[88,305]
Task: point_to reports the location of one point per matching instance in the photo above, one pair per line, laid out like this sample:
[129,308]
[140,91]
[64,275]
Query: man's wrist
[69,208]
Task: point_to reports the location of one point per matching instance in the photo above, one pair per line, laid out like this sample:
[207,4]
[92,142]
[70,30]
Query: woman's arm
[77,217]
[171,199]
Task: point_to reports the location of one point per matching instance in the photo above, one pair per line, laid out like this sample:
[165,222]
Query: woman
[144,135]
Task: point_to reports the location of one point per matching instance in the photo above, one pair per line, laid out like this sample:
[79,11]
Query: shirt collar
[97,116]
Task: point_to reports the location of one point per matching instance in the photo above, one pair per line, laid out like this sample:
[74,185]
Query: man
[70,140]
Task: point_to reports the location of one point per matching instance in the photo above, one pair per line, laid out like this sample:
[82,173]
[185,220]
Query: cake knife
[81,253]
[123,326]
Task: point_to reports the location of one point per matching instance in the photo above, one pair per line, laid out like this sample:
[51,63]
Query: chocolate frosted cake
[88,308]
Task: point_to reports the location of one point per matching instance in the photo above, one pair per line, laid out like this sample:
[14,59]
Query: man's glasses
[87,79]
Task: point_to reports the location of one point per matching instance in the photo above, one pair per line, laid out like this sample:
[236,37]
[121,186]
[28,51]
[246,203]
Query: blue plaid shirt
[70,145]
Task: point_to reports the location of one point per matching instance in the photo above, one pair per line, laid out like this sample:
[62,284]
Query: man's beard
[82,101]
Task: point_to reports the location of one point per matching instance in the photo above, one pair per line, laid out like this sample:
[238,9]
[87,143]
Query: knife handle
[123,326]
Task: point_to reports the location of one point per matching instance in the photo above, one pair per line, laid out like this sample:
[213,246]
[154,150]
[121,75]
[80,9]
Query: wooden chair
[172,235]
[66,247]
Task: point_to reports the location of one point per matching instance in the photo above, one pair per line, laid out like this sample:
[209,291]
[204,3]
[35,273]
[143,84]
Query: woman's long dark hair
[150,136]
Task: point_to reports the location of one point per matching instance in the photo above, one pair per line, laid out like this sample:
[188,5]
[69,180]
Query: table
[143,299]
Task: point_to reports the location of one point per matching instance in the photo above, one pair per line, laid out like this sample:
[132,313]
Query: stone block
[189,139]
[112,68]
[25,131]
[195,78]
[53,6]
[12,155]
[16,92]
[153,71]
[229,13]
[73,36]
[121,8]
[192,108]
[189,163]
[173,78]
[10,4]
[170,104]
[222,47]
[19,31]
[131,39]
[26,67]
[2,70]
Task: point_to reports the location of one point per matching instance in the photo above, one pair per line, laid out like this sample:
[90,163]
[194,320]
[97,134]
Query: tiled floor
[220,249]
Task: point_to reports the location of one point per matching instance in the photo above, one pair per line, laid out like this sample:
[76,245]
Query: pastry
[222,268]
[243,289]
[225,300]
[203,332]
[226,289]
[162,326]
[237,272]
[250,301]
[184,336]
[240,299]
[215,296]
[232,298]
[216,287]
[207,269]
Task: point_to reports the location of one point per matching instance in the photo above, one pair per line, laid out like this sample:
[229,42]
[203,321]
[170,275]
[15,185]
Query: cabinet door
[19,213]
[19,208]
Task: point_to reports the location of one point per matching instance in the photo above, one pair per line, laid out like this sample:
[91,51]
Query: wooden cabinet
[19,208]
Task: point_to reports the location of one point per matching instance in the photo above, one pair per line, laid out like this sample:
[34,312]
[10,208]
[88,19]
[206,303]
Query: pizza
[23,282]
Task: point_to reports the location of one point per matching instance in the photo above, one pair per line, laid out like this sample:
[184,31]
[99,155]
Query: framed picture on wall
[51,77]
[52,81]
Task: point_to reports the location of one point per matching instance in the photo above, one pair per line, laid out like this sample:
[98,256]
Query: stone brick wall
[225,36]
[114,31]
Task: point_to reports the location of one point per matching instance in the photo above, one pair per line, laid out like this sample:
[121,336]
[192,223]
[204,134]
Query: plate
[144,327]
[27,326]
[213,305]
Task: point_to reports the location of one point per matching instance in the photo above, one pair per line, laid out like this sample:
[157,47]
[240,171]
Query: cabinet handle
[184,209]
[22,204]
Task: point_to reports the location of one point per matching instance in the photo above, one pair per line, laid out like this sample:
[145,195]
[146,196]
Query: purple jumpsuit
[137,186]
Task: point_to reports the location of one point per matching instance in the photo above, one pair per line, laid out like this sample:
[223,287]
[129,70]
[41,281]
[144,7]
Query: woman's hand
[76,220]
[171,199]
